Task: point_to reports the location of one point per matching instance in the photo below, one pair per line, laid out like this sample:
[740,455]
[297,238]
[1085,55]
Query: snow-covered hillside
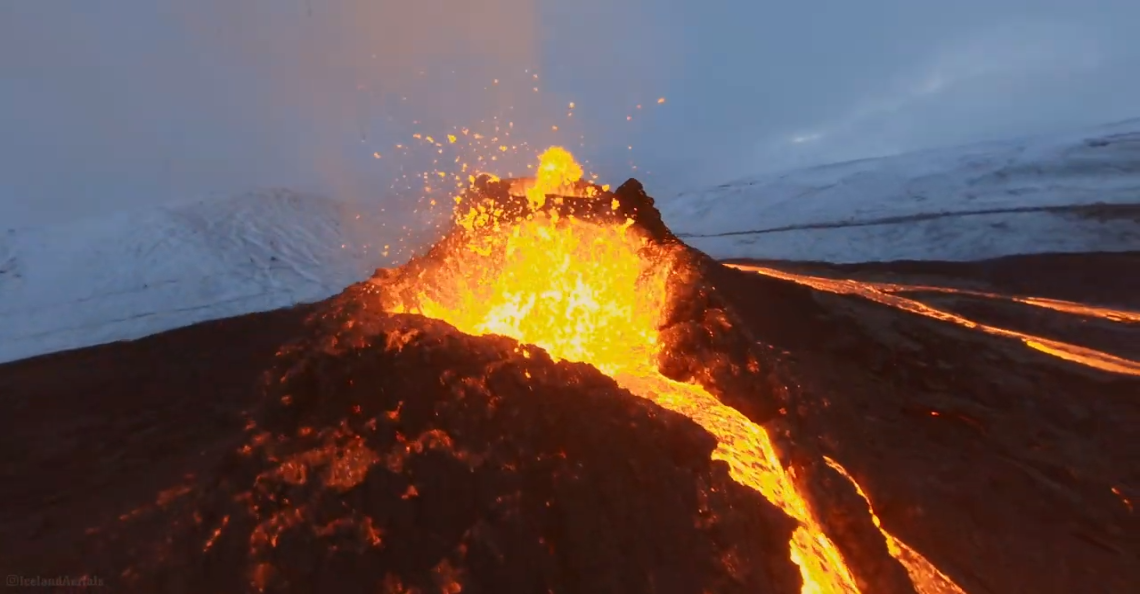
[1064,193]
[128,275]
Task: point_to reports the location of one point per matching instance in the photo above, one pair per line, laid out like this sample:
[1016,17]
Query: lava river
[582,280]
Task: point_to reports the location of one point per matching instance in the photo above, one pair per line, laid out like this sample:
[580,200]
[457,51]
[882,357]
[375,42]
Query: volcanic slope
[1012,467]
[369,449]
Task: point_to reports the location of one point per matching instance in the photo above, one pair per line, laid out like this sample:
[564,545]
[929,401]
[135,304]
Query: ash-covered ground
[338,447]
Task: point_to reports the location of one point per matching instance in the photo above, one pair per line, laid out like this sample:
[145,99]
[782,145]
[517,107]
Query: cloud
[987,84]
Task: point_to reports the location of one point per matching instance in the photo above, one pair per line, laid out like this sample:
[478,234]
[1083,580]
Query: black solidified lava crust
[395,454]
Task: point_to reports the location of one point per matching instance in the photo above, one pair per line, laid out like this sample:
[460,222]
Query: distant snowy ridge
[133,274]
[1062,193]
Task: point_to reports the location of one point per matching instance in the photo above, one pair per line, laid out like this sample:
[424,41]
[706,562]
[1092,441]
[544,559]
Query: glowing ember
[594,293]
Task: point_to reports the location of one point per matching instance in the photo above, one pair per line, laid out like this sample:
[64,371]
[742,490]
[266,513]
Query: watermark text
[52,581]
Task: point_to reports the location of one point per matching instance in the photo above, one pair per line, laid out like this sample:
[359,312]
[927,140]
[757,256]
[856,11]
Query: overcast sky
[121,103]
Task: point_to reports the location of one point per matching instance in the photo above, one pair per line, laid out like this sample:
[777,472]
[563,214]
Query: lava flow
[584,282]
[888,294]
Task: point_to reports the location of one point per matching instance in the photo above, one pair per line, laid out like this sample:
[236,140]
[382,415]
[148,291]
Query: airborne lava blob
[592,287]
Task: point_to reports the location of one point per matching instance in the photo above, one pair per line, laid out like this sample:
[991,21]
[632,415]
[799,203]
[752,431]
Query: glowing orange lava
[923,574]
[594,293]
[886,294]
[557,169]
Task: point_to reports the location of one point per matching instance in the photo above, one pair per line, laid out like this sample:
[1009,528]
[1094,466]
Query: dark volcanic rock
[631,203]
[704,342]
[395,452]
[635,204]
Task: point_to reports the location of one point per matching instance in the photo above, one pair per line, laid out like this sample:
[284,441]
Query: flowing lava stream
[593,293]
[885,293]
[1070,307]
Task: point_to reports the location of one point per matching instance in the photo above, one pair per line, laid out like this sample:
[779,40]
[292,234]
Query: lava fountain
[595,277]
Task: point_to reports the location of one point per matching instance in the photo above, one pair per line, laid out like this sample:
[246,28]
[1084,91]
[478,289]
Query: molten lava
[578,290]
[557,169]
[595,293]
[890,294]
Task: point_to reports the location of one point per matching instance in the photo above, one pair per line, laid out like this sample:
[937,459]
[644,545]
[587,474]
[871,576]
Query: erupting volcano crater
[552,398]
[555,397]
